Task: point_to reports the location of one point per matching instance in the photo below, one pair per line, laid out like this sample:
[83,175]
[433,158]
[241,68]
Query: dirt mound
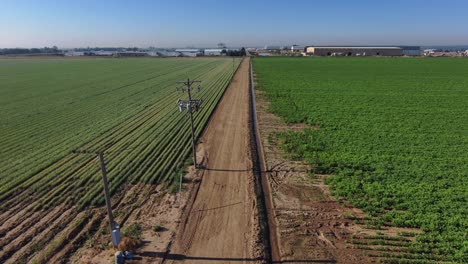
[128,244]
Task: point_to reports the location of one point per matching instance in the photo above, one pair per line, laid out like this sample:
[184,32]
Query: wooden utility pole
[191,106]
[114,228]
[106,191]
[194,149]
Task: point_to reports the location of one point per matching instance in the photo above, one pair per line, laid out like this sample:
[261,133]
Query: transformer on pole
[190,106]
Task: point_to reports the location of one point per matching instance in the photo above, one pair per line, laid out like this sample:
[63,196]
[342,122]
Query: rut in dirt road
[221,225]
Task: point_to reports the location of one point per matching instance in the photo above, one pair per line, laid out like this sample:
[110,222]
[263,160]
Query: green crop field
[392,131]
[124,107]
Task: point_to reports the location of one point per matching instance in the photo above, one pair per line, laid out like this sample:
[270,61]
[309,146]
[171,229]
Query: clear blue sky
[204,23]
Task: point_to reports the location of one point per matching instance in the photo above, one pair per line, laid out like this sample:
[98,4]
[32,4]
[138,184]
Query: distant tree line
[234,53]
[14,51]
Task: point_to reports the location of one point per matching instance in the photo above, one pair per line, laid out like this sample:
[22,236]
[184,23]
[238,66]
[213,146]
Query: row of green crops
[124,107]
[392,131]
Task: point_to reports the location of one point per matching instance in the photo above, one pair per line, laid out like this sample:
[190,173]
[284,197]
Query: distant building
[74,53]
[168,54]
[153,54]
[297,49]
[411,50]
[103,53]
[131,54]
[189,52]
[100,53]
[429,52]
[213,52]
[354,51]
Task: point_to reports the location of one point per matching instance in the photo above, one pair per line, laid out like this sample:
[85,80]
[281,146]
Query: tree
[242,52]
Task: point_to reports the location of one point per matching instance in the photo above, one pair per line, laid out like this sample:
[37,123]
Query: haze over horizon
[144,23]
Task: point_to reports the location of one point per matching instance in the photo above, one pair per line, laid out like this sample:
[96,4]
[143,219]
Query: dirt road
[221,224]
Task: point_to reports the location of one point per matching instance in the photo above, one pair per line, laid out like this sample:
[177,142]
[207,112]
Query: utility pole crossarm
[188,82]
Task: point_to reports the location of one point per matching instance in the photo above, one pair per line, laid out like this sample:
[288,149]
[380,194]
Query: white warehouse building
[213,52]
[189,52]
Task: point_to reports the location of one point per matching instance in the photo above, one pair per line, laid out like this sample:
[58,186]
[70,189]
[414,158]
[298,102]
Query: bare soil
[146,206]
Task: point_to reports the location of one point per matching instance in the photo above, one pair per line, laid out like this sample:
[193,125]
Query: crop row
[147,147]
